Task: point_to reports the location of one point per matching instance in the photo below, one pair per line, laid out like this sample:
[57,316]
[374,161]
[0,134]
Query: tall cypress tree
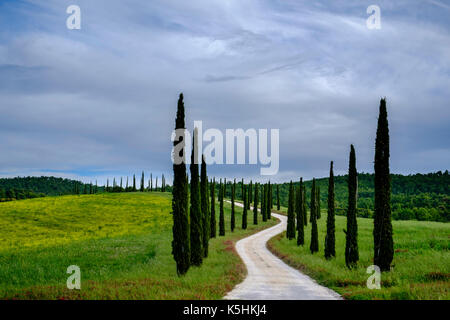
[195,210]
[221,214]
[318,202]
[270,202]
[142,182]
[314,246]
[264,203]
[330,250]
[244,212]
[213,209]
[290,230]
[233,195]
[250,195]
[242,191]
[156,186]
[305,210]
[299,211]
[181,230]
[205,207]
[134,183]
[255,205]
[278,197]
[151,182]
[382,231]
[351,234]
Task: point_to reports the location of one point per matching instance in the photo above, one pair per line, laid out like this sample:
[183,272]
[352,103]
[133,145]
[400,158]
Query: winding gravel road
[268,277]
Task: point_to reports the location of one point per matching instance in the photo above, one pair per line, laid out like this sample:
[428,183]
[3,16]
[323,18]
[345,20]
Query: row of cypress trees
[193,227]
[119,187]
[382,232]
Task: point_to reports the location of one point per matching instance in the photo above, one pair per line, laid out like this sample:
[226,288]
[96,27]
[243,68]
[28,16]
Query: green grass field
[121,242]
[421,262]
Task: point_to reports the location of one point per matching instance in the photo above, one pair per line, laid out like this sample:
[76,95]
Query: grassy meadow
[421,261]
[120,241]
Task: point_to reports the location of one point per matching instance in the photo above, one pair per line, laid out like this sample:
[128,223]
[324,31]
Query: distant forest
[33,187]
[21,188]
[423,197]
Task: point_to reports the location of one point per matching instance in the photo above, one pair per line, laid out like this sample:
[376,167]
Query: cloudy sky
[100,102]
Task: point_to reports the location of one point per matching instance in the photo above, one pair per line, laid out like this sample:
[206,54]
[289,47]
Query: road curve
[268,277]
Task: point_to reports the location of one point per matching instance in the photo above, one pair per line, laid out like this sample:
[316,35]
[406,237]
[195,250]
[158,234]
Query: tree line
[194,204]
[20,188]
[382,232]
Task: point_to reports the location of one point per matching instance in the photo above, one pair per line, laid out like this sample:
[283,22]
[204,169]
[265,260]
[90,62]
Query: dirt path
[268,277]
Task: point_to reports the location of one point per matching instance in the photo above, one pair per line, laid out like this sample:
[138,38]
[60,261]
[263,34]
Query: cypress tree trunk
[195,210]
[213,209]
[255,205]
[382,232]
[299,211]
[242,191]
[205,207]
[351,239]
[314,246]
[181,230]
[290,230]
[278,197]
[221,214]
[330,250]
[233,195]
[244,212]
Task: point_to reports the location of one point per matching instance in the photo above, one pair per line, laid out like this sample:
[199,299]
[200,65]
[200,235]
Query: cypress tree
[195,210]
[255,205]
[305,211]
[213,209]
[264,203]
[181,230]
[318,202]
[244,212]
[278,197]
[205,207]
[120,183]
[225,187]
[382,231]
[233,195]
[142,182]
[314,246]
[270,204]
[250,195]
[351,234]
[107,185]
[242,191]
[156,186]
[299,211]
[221,215]
[134,183]
[151,182]
[330,250]
[290,230]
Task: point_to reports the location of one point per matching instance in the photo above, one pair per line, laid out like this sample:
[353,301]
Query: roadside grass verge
[421,266]
[122,244]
